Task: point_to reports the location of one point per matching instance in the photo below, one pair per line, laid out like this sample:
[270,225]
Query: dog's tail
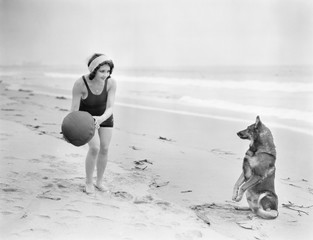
[266,213]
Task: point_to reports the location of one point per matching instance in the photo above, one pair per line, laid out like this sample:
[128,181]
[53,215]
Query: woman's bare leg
[105,135]
[91,162]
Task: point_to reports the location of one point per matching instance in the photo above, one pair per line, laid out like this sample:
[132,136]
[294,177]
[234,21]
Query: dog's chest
[252,160]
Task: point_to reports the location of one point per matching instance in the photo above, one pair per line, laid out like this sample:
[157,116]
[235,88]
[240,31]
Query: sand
[42,177]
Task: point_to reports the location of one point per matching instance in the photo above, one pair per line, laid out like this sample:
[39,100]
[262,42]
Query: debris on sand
[157,185]
[142,162]
[294,207]
[165,139]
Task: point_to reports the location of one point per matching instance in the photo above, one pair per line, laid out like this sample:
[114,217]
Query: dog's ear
[257,122]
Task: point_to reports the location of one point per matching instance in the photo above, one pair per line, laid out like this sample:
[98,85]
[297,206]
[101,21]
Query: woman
[95,93]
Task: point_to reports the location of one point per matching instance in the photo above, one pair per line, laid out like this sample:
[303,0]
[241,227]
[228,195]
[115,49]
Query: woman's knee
[94,150]
[104,150]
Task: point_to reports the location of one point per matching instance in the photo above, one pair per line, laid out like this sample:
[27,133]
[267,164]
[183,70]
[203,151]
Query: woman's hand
[97,125]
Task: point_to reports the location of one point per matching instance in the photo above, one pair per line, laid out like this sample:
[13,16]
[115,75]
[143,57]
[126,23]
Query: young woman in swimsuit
[95,93]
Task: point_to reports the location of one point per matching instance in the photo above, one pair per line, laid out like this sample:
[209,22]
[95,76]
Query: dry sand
[42,179]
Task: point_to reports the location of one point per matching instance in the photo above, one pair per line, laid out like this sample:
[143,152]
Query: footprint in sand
[50,157]
[79,201]
[72,210]
[7,200]
[140,225]
[7,109]
[74,155]
[56,166]
[18,207]
[144,199]
[99,204]
[5,134]
[50,185]
[9,190]
[44,216]
[5,213]
[59,185]
[34,160]
[66,185]
[163,204]
[3,185]
[69,205]
[33,175]
[49,170]
[123,195]
[99,218]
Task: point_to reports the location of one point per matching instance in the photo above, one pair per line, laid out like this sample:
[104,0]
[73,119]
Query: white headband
[98,60]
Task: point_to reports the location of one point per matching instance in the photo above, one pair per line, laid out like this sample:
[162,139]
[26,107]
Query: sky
[157,33]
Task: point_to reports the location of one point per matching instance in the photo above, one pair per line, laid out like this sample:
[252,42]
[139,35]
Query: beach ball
[78,128]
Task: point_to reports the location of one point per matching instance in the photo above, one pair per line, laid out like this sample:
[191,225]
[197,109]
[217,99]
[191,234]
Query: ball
[78,128]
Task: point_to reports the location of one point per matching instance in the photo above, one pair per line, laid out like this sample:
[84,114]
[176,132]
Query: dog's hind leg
[239,182]
[265,210]
[267,214]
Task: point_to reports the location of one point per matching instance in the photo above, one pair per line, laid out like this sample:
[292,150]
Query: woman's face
[103,72]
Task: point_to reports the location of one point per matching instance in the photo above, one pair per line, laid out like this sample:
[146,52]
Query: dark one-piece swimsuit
[96,104]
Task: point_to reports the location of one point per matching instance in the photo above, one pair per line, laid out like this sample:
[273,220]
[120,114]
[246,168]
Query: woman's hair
[108,62]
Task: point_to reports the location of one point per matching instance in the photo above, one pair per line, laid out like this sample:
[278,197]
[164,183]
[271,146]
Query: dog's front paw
[237,196]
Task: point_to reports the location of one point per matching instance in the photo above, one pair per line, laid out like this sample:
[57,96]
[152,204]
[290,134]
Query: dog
[257,178]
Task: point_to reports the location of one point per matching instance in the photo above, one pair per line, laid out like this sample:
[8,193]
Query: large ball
[78,128]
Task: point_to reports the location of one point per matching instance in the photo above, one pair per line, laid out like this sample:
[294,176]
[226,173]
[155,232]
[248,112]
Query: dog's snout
[239,134]
[243,135]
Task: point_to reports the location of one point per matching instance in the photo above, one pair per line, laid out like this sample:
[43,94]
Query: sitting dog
[258,173]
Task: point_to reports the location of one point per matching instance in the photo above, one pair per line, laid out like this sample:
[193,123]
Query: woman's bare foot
[89,189]
[101,188]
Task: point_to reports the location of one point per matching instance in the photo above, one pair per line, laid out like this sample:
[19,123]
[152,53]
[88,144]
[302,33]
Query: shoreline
[231,106]
[216,117]
[206,182]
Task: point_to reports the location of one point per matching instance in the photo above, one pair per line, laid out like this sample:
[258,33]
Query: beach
[171,166]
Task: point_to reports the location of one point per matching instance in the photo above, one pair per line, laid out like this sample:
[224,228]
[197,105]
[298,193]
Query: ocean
[280,95]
